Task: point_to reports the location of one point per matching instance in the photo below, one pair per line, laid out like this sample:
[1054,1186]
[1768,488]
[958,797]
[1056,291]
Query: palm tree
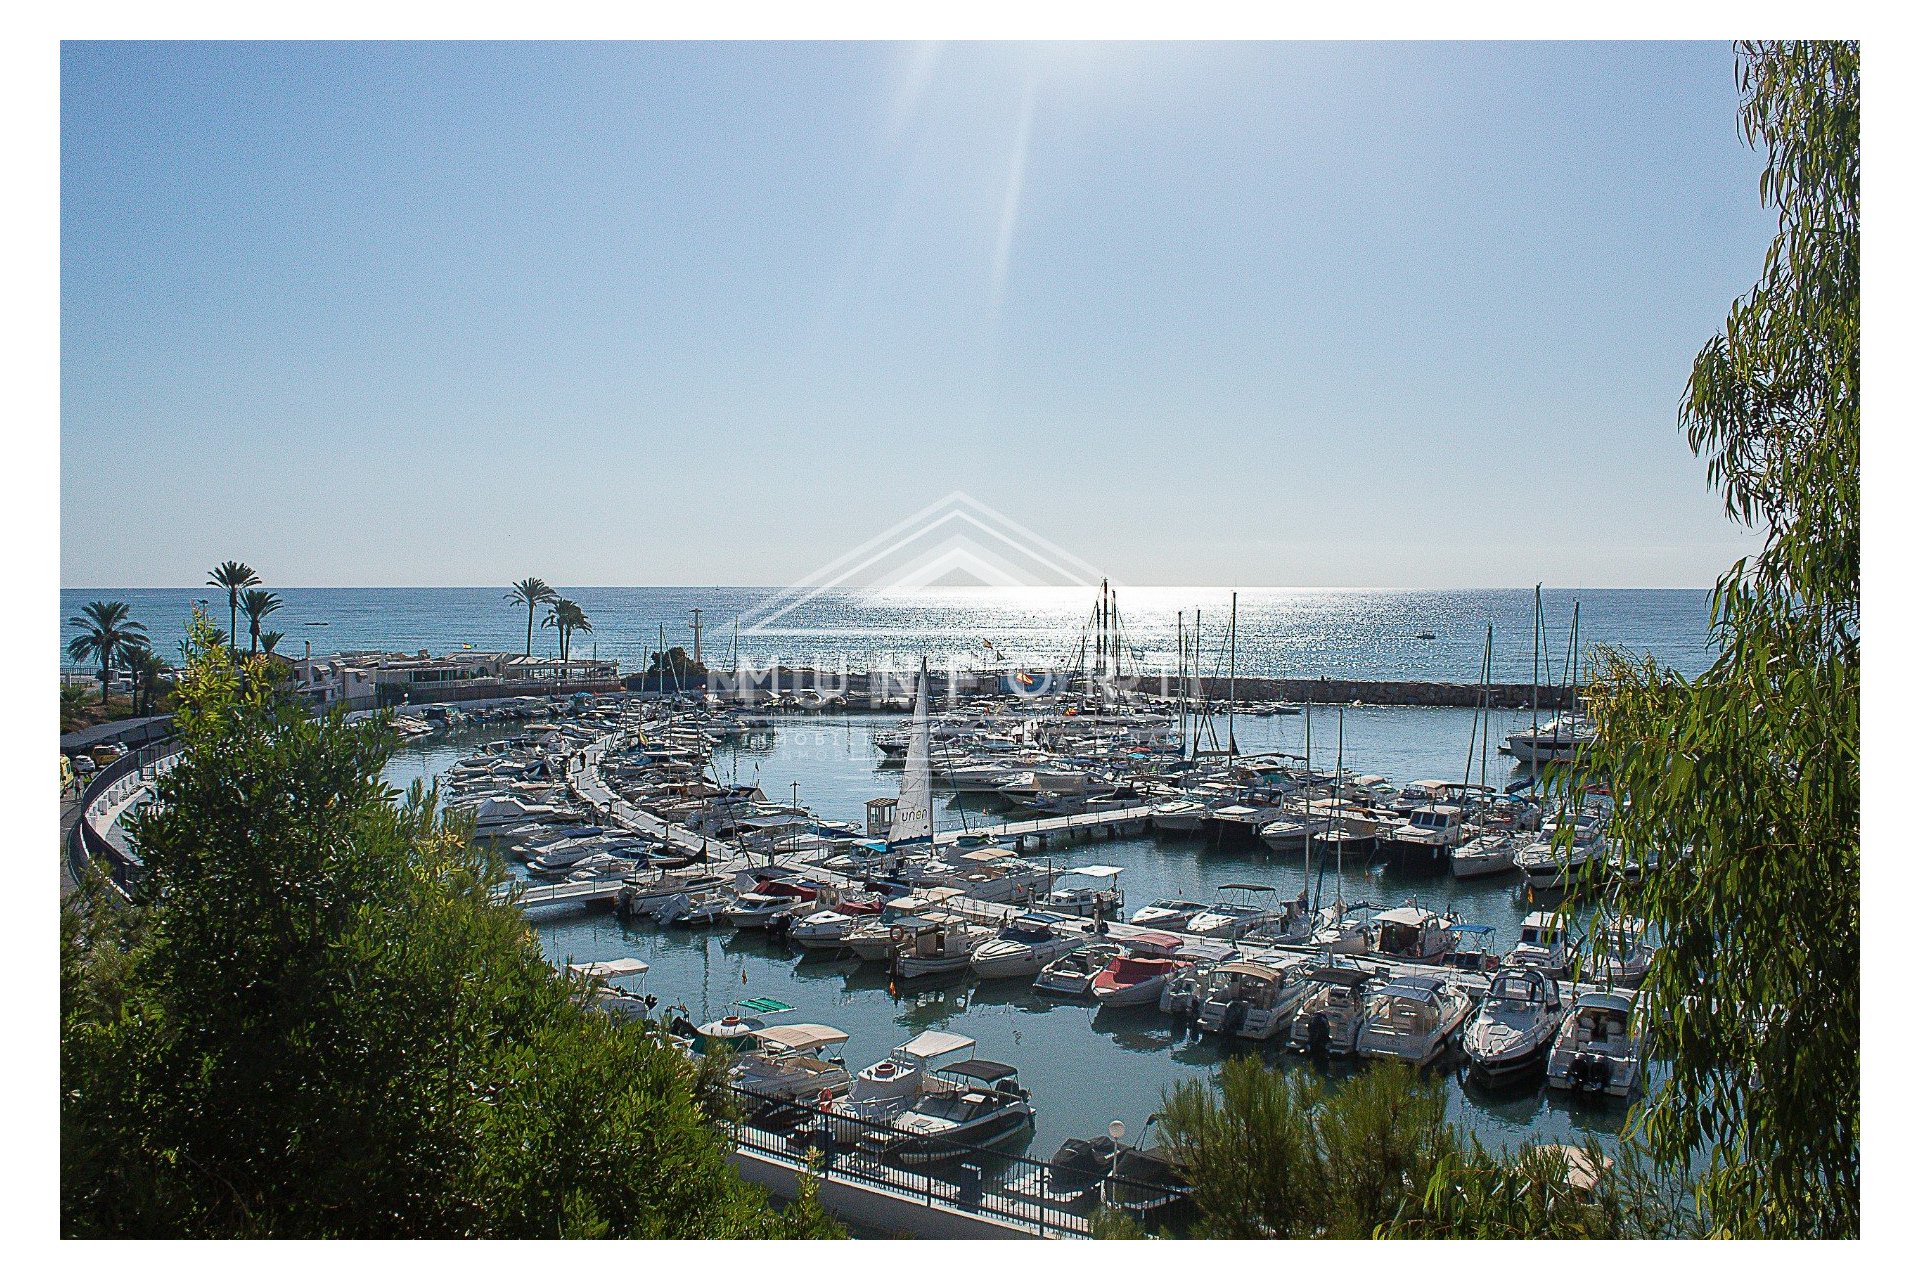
[107,632]
[233,577]
[148,669]
[576,621]
[257,604]
[566,617]
[531,592]
[269,639]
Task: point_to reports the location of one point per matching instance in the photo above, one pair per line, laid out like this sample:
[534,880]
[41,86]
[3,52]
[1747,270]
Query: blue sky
[1235,314]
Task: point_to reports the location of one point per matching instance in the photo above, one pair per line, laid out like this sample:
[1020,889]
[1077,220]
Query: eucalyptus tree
[258,605]
[233,577]
[531,592]
[1739,791]
[107,632]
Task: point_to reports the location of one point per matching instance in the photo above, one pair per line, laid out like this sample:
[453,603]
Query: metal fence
[978,1180]
[85,845]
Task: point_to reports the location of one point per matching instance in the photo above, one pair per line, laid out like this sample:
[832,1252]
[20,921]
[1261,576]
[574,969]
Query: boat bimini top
[934,1044]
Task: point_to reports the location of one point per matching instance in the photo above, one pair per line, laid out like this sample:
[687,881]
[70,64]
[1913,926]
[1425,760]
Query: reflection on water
[1084,1066]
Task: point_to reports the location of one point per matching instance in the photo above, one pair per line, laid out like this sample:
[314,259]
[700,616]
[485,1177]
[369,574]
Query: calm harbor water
[1359,634]
[1085,1067]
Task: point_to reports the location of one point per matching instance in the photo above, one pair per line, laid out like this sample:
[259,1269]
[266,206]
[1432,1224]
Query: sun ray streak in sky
[1010,204]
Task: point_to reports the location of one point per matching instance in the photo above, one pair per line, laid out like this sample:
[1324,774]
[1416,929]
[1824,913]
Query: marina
[844,768]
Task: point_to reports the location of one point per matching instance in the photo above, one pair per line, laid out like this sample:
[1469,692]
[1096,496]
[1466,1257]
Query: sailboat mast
[1306,858]
[1536,668]
[1233,658]
[1486,704]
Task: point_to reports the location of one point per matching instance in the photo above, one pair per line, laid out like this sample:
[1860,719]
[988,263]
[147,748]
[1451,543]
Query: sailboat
[945,947]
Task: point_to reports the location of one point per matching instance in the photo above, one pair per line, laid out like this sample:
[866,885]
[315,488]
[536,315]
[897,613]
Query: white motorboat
[1290,832]
[1024,946]
[888,1087]
[1330,1015]
[1090,891]
[1516,1024]
[1547,865]
[1072,974]
[1598,1049]
[1622,954]
[1178,817]
[1412,1018]
[827,930]
[603,993]
[794,1062]
[1542,945]
[1488,854]
[1413,933]
[1238,916]
[759,910]
[875,939]
[734,1031]
[644,890]
[691,910]
[948,947]
[1253,1000]
[1167,913]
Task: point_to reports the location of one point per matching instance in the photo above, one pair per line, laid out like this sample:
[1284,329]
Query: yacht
[1488,854]
[1254,1000]
[1072,974]
[1427,839]
[969,1104]
[1237,823]
[1411,1019]
[1329,1018]
[1542,945]
[1516,1025]
[876,937]
[1557,741]
[1024,946]
[1597,1050]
